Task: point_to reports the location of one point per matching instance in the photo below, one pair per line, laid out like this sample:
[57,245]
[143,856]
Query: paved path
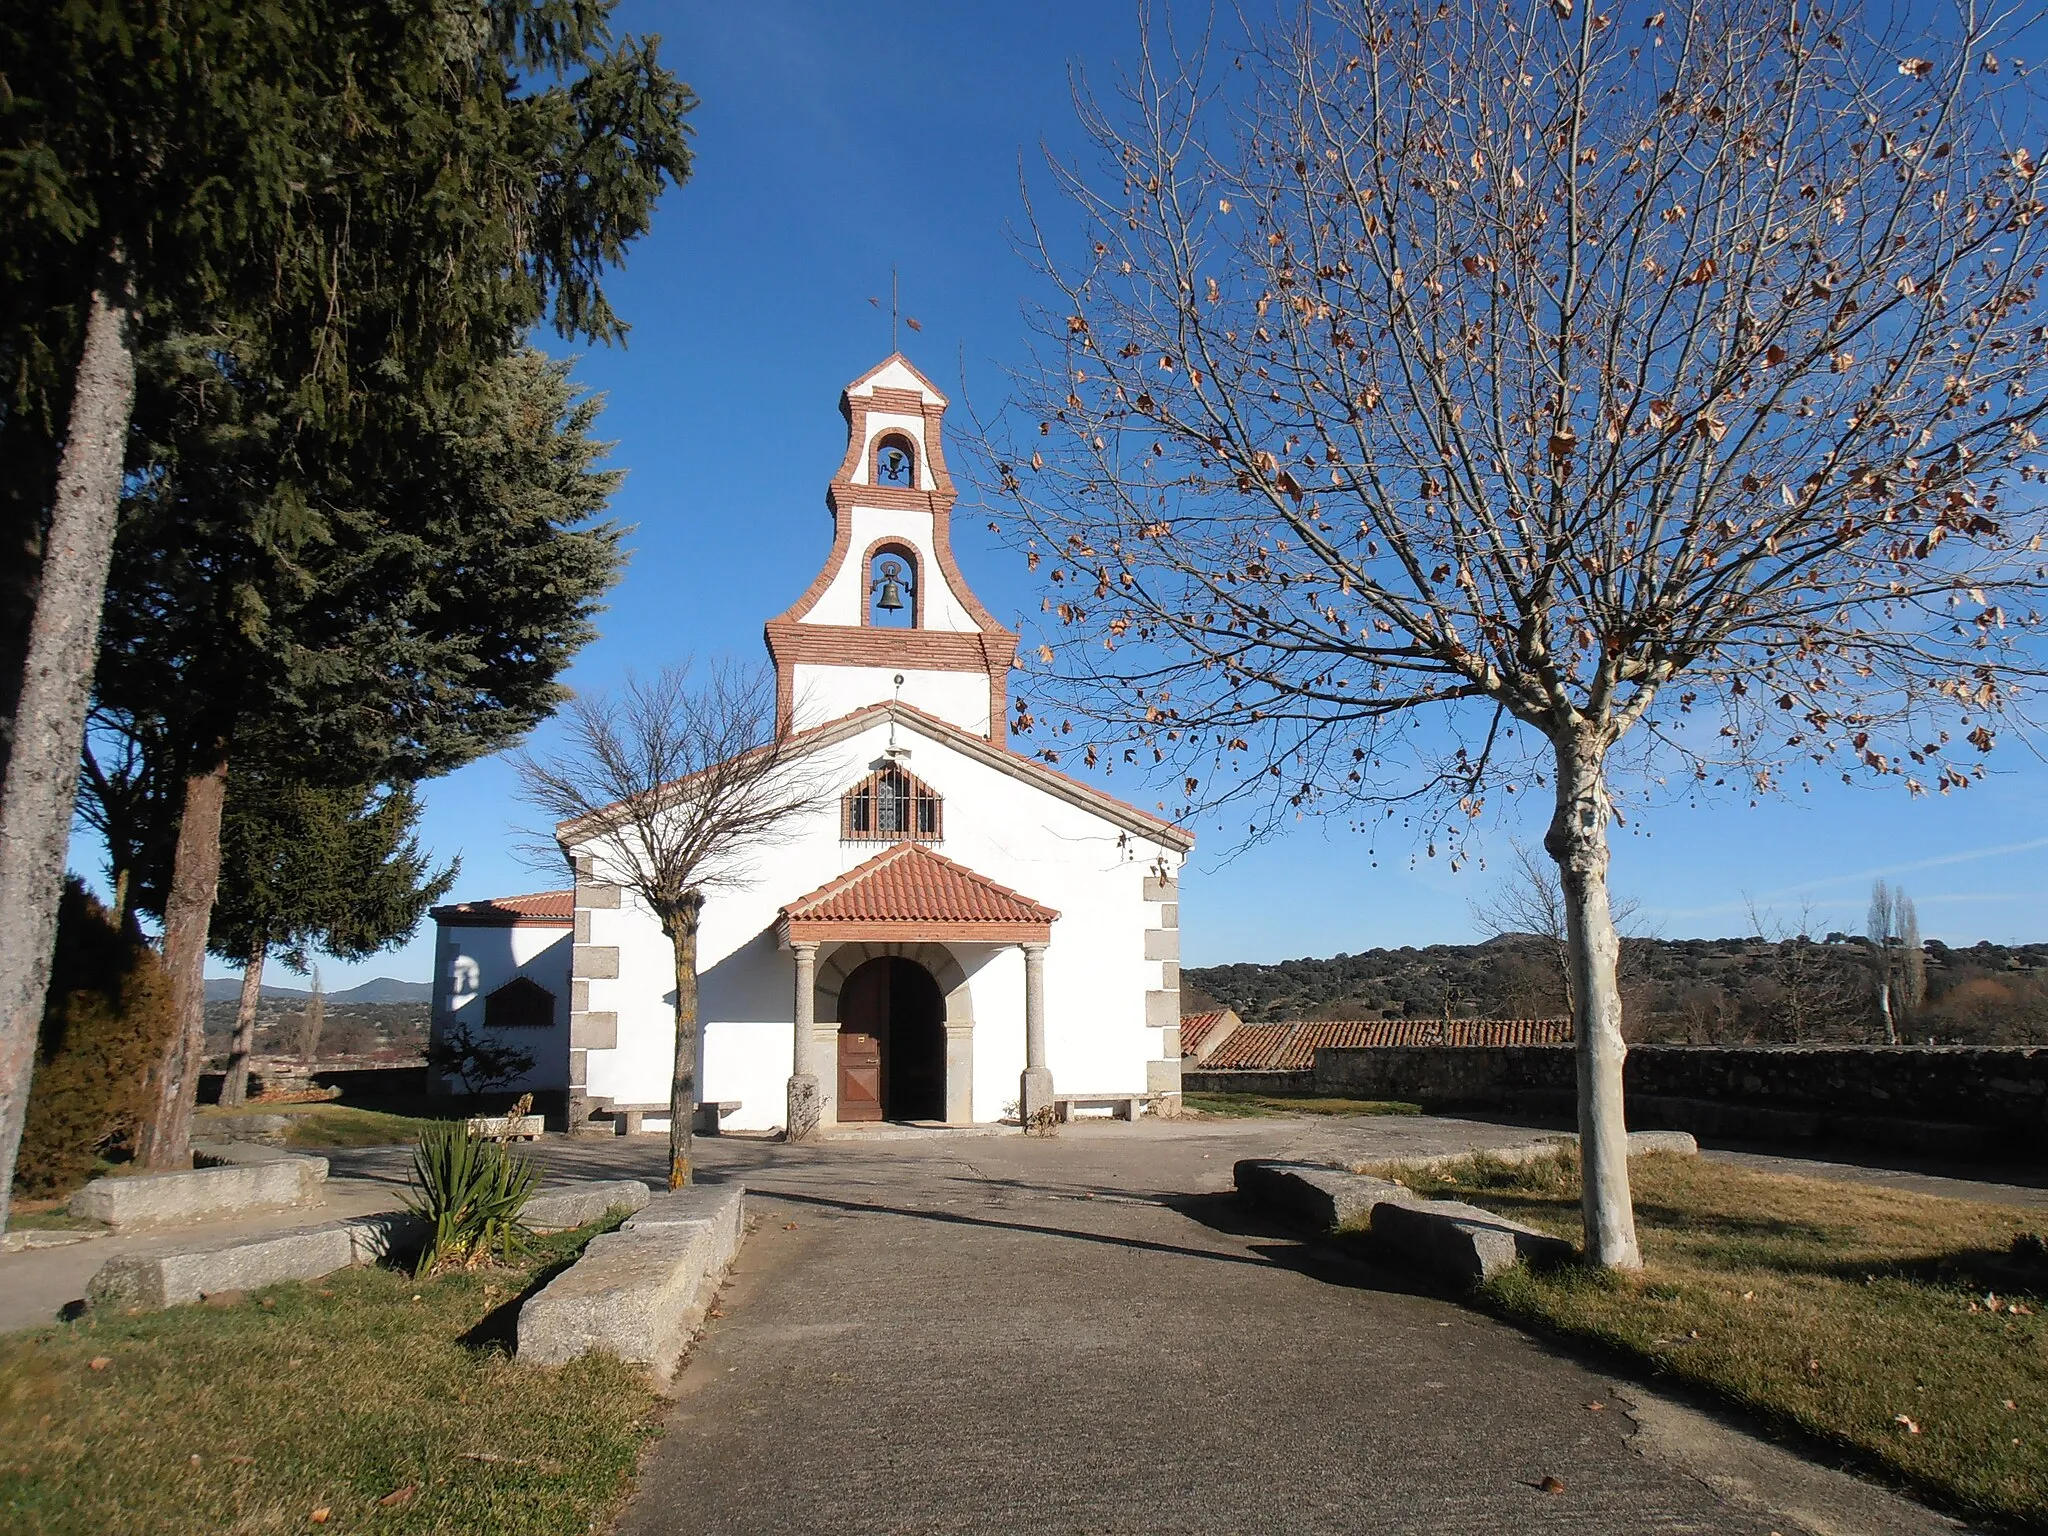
[1087,1335]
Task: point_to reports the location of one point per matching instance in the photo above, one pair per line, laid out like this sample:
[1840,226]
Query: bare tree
[1806,990]
[1529,899]
[312,1022]
[1881,928]
[1896,956]
[1493,395]
[671,782]
[1912,957]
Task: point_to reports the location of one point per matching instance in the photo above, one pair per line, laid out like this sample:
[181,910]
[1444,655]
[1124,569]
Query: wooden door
[860,1076]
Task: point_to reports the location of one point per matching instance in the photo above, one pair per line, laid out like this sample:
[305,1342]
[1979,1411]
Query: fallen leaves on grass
[98,1363]
[398,1497]
[1905,1423]
[321,1515]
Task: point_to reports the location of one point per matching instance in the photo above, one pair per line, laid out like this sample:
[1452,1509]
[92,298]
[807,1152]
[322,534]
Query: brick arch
[897,545]
[907,440]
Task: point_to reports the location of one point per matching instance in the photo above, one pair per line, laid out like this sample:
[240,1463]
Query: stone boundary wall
[1956,1101]
[1200,1080]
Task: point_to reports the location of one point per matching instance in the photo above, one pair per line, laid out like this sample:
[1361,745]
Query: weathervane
[895,309]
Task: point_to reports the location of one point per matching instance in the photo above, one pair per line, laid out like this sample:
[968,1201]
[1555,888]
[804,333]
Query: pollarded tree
[672,784]
[1508,394]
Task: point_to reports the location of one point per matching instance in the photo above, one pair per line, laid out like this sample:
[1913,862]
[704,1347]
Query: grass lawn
[1239,1105]
[389,1403]
[325,1125]
[1874,1319]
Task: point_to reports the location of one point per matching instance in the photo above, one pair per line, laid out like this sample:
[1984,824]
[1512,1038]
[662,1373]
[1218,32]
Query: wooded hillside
[1696,991]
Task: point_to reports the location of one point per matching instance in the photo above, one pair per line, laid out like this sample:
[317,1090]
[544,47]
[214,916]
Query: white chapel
[961,932]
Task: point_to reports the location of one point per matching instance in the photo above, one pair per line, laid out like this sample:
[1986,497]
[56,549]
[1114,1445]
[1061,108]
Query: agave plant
[470,1192]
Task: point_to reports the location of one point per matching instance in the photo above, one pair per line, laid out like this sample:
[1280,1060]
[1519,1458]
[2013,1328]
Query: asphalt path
[1088,1334]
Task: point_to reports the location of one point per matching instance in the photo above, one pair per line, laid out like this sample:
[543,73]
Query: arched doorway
[892,1043]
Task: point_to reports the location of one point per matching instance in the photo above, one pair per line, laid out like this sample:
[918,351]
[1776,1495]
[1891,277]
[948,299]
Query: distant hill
[384,989]
[1699,991]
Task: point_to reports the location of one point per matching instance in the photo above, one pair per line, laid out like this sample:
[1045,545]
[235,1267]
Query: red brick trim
[874,931]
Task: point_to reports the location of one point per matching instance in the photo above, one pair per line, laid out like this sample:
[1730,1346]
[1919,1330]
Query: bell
[891,600]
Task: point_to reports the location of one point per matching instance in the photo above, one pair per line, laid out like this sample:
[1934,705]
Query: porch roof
[908,892]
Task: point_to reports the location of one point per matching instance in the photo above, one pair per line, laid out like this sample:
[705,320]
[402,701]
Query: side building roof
[541,909]
[1292,1046]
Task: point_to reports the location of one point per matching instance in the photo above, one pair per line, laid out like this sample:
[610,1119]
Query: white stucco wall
[827,693]
[844,601]
[471,961]
[1055,852]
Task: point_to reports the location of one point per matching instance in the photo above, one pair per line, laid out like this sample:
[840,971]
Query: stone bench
[1315,1195]
[146,1282]
[557,1209]
[1121,1106]
[247,1178]
[506,1127]
[639,1293]
[629,1117]
[1461,1242]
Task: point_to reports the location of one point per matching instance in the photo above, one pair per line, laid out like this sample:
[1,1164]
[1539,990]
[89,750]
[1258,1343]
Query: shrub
[106,1021]
[470,1194]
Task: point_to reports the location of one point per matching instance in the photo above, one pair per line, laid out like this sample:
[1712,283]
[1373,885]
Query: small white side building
[955,913]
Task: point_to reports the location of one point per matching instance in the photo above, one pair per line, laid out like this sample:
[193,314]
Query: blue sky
[836,140]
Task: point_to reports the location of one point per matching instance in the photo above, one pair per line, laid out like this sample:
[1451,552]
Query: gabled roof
[908,892]
[1015,764]
[1293,1046]
[542,909]
[895,360]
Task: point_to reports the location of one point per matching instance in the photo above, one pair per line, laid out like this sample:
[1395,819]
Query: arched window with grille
[889,806]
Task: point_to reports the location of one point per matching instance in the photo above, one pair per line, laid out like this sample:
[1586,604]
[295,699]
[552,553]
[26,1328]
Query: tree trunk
[234,1088]
[1577,840]
[1884,1010]
[49,722]
[681,927]
[195,877]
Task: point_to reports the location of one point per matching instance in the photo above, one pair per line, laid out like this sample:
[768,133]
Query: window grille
[889,806]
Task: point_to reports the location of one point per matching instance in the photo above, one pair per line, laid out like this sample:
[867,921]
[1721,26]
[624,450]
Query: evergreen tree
[376,193]
[306,869]
[455,575]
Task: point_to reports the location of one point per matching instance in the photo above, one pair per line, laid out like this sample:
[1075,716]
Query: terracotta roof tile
[541,906]
[1196,1028]
[1292,1046]
[908,883]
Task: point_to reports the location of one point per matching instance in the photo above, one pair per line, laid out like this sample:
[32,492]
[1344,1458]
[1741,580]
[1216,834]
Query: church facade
[958,933]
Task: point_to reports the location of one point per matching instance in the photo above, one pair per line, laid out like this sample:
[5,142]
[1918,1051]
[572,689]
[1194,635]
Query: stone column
[1035,1086]
[803,1077]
